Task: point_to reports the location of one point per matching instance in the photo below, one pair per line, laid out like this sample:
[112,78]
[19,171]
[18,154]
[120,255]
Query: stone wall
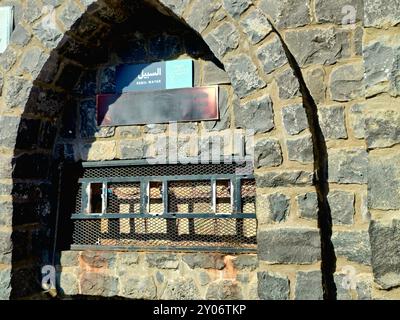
[321,95]
[166,276]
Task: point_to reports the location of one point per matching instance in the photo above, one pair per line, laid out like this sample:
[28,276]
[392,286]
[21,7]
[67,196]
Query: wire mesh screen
[189,197]
[153,208]
[147,233]
[164,170]
[248,195]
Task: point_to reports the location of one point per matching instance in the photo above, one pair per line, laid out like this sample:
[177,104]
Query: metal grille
[211,209]
[189,197]
[123,198]
[248,195]
[150,233]
[163,170]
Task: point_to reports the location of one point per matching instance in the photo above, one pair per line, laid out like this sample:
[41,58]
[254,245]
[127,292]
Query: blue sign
[155,76]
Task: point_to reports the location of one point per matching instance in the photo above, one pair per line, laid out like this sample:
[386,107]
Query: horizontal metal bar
[171,248]
[141,162]
[96,216]
[162,178]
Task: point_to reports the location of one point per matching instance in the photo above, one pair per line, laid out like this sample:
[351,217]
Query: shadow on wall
[328,256]
[61,109]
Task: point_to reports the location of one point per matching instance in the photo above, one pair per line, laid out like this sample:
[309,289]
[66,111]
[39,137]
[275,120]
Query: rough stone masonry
[285,68]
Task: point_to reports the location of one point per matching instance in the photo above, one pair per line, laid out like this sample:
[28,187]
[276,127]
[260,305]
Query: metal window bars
[125,205]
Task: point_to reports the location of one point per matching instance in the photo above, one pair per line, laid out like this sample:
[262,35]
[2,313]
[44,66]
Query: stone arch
[260,67]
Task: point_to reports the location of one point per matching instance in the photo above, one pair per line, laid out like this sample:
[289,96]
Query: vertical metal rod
[86,197]
[237,196]
[104,196]
[214,195]
[144,196]
[165,196]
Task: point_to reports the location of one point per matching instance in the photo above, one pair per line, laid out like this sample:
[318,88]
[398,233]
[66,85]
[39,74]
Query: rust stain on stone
[229,272]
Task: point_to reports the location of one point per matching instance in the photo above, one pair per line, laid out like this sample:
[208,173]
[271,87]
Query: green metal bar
[141,162]
[161,178]
[143,196]
[172,249]
[95,216]
[237,194]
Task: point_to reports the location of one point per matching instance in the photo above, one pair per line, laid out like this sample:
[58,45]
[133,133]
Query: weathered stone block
[69,258]
[287,13]
[99,284]
[213,74]
[245,262]
[308,285]
[244,75]
[162,260]
[353,245]
[17,92]
[32,61]
[70,14]
[273,207]
[294,119]
[268,153]
[272,55]
[344,284]
[318,46]
[8,58]
[132,149]
[381,13]
[348,165]
[96,259]
[224,290]
[357,120]
[181,289]
[201,14]
[339,12]
[257,115]
[204,260]
[272,286]
[332,122]
[385,248]
[347,83]
[5,287]
[301,149]
[9,129]
[20,36]
[50,37]
[99,150]
[177,6]
[315,81]
[68,283]
[126,260]
[307,204]
[384,181]
[288,84]
[379,61]
[382,128]
[289,245]
[284,178]
[256,26]
[138,287]
[236,7]
[342,207]
[223,39]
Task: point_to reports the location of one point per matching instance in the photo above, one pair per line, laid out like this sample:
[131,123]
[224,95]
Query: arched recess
[39,92]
